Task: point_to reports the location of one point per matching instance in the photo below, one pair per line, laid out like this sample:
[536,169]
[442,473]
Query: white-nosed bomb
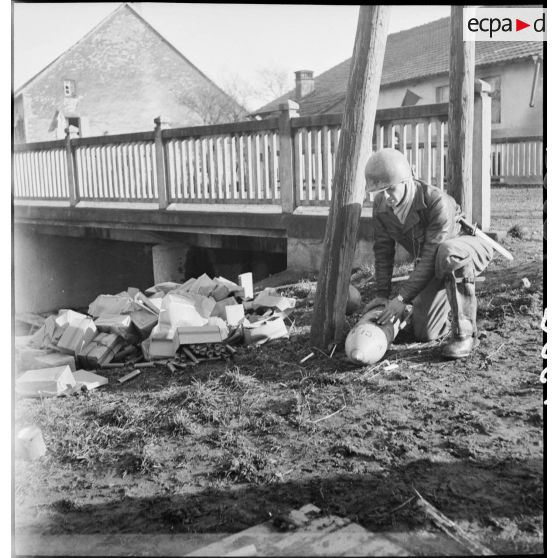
[368,342]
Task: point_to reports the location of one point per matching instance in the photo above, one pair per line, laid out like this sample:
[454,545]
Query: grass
[350,440]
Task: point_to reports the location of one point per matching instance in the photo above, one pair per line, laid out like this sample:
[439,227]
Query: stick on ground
[452,530]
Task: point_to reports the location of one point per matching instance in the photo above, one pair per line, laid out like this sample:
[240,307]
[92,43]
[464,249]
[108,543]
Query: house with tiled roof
[117,79]
[416,71]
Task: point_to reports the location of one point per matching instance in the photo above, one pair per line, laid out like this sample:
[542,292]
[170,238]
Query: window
[73,123]
[495,83]
[69,88]
[410,99]
[442,94]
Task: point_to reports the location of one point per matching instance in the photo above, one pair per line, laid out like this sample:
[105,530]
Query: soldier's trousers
[431,306]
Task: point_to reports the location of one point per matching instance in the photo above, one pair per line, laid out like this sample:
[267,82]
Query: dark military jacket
[433,218]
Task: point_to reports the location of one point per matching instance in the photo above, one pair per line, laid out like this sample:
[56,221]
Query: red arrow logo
[519,25]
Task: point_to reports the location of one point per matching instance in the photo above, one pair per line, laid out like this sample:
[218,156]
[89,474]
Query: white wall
[517,118]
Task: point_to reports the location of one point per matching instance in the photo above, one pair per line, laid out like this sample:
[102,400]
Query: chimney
[304,83]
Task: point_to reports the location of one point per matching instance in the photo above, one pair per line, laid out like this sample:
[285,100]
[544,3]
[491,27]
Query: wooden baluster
[428,151]
[273,166]
[326,188]
[415,147]
[308,163]
[73,189]
[298,162]
[223,187]
[233,167]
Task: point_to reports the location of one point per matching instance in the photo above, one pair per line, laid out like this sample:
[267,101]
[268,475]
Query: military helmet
[385,168]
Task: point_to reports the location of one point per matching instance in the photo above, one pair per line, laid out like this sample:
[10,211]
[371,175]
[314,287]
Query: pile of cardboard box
[198,320]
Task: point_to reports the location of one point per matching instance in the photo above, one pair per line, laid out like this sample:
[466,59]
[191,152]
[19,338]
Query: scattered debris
[453,530]
[89,380]
[307,357]
[45,381]
[129,376]
[176,326]
[29,443]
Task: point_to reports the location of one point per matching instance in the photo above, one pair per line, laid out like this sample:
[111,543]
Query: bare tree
[275,82]
[212,105]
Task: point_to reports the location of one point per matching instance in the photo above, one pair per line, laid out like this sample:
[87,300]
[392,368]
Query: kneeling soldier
[424,220]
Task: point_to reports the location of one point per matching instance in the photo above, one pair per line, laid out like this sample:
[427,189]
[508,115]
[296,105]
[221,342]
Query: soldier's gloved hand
[378,301]
[393,311]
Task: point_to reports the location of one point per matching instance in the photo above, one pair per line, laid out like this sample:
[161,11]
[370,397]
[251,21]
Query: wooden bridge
[258,185]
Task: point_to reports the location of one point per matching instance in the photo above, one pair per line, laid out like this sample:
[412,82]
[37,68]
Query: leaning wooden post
[348,182]
[482,139]
[160,162]
[286,166]
[460,117]
[73,187]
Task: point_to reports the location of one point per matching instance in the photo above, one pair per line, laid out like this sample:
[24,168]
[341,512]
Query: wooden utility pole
[355,146]
[461,112]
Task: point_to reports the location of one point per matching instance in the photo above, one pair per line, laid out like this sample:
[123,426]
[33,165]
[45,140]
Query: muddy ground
[226,445]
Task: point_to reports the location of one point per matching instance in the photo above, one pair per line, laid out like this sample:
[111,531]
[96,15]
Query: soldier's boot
[463,303]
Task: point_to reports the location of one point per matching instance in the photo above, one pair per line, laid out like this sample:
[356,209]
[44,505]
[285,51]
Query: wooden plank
[316,164]
[415,148]
[325,163]
[224,168]
[264,157]
[308,164]
[256,182]
[232,168]
[197,171]
[239,192]
[299,192]
[246,127]
[428,151]
[317,120]
[211,167]
[247,141]
[273,166]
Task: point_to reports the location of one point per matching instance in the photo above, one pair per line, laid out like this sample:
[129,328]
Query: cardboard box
[145,321]
[54,360]
[89,379]
[203,285]
[268,300]
[101,350]
[263,331]
[45,381]
[76,336]
[164,287]
[119,324]
[234,314]
[46,335]
[247,284]
[111,304]
[219,308]
[163,342]
[204,334]
[30,444]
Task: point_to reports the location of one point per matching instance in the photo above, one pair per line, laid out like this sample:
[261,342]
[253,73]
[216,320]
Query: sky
[227,42]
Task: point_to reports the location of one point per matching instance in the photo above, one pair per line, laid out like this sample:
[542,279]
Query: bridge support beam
[169,262]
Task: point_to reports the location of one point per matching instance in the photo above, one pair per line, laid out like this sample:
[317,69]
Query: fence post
[160,163]
[482,137]
[286,167]
[73,187]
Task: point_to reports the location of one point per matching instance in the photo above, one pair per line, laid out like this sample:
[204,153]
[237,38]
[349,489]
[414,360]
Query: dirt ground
[226,445]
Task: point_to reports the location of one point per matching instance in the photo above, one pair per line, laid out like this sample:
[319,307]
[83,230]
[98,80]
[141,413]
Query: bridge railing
[517,160]
[228,163]
[287,161]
